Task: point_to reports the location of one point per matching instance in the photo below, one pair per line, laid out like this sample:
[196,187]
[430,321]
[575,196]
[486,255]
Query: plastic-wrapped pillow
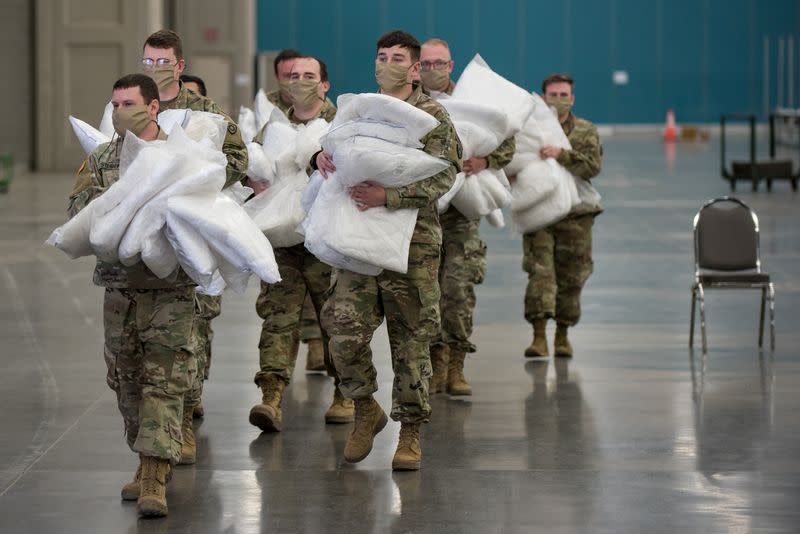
[384,108]
[89,138]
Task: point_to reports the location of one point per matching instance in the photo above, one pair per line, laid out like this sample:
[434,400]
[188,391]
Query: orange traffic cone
[670,130]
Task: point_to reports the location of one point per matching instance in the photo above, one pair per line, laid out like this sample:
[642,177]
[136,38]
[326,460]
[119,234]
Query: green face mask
[163,76]
[130,119]
[304,93]
[435,80]
[562,105]
[391,78]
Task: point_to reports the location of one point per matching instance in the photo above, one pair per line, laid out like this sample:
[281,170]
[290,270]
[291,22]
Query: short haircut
[166,39]
[557,78]
[196,79]
[323,68]
[404,39]
[147,87]
[284,55]
[436,41]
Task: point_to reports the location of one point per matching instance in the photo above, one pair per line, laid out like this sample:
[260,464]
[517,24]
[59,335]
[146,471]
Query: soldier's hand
[475,165]
[549,151]
[512,179]
[258,186]
[325,163]
[368,195]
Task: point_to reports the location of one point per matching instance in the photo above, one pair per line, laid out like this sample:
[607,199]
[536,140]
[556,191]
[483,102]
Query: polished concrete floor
[635,434]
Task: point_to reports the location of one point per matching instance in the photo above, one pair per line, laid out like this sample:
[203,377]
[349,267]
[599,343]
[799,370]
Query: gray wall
[16,91]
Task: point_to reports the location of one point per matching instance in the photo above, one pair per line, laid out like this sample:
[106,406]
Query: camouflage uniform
[209,307]
[410,302]
[149,341]
[275,98]
[558,259]
[280,305]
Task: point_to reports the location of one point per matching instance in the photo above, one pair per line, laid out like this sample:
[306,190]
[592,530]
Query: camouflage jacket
[103,167]
[441,142]
[586,157]
[233,146]
[275,98]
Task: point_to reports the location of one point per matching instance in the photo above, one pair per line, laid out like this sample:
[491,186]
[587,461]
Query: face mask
[435,80]
[304,93]
[283,87]
[390,77]
[130,118]
[163,76]
[562,105]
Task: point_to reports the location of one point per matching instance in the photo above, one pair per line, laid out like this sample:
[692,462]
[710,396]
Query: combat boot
[130,491]
[538,347]
[409,453]
[456,383]
[562,346]
[189,447]
[440,355]
[315,359]
[267,415]
[153,490]
[369,420]
[342,410]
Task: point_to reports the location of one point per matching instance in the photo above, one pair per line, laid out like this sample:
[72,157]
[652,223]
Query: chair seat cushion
[708,279]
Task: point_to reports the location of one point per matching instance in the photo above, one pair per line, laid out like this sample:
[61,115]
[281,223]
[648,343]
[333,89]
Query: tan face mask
[283,87]
[435,80]
[391,78]
[130,118]
[562,105]
[304,93]
[163,76]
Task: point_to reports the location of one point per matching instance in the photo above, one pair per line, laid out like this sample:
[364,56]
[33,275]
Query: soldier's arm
[234,149]
[503,154]
[441,142]
[87,187]
[585,158]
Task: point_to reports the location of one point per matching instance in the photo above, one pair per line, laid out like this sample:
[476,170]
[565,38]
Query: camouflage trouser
[207,307]
[558,260]
[309,323]
[462,266]
[280,306]
[151,364]
[410,302]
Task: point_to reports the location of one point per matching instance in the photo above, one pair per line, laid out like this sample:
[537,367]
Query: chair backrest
[726,236]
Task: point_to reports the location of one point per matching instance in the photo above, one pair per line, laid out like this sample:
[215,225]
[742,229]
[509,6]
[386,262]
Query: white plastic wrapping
[278,210]
[88,136]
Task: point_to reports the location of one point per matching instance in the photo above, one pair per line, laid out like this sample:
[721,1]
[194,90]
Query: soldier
[410,302]
[463,261]
[282,65]
[162,60]
[558,259]
[147,321]
[303,275]
[194,84]
[309,329]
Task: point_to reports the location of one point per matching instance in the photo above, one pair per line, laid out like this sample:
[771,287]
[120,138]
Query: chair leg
[702,317]
[772,316]
[691,320]
[761,320]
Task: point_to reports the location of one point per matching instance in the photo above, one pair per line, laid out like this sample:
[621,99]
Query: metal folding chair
[727,255]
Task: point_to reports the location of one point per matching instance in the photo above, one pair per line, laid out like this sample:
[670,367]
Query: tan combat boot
[315,359]
[130,491]
[153,490]
[342,410]
[370,419]
[440,356]
[538,347]
[456,383]
[189,447]
[562,346]
[409,453]
[267,415]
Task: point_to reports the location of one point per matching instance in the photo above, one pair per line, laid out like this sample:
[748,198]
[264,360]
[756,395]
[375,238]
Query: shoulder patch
[232,129]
